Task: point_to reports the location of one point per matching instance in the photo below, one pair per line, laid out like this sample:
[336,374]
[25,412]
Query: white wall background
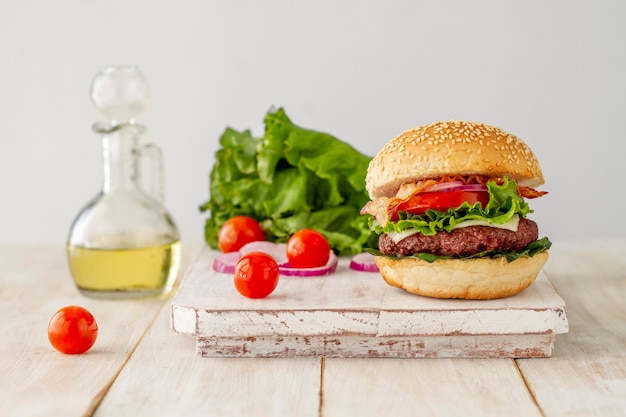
[551,72]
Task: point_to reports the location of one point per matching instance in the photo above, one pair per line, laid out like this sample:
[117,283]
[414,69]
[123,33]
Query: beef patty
[464,241]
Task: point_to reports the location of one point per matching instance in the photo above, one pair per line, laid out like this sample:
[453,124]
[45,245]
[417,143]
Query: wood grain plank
[441,387]
[587,374]
[37,380]
[165,377]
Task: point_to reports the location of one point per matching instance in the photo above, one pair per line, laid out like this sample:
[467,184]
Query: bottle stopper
[120,93]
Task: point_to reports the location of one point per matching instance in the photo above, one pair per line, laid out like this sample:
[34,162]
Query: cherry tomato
[256,275]
[307,249]
[72,329]
[238,231]
[419,203]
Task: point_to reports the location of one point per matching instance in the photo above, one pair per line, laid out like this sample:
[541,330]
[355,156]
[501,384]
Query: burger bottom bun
[472,279]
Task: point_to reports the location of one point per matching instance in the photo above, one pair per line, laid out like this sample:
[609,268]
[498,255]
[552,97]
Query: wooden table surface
[140,367]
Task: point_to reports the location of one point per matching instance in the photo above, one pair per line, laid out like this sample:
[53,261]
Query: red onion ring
[226,262]
[363,262]
[443,186]
[329,268]
[454,186]
[278,251]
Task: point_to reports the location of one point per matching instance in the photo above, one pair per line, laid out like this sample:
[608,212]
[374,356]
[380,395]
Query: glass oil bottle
[124,243]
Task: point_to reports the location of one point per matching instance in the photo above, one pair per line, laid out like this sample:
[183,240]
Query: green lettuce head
[290,179]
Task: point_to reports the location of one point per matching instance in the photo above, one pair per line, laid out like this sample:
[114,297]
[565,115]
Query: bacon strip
[527,192]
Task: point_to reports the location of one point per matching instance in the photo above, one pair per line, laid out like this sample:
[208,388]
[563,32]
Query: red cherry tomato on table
[307,249]
[256,275]
[238,231]
[72,329]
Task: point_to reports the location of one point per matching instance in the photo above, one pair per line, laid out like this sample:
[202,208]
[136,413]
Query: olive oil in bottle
[127,272]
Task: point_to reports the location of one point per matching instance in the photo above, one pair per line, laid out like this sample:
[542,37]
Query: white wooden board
[356,314]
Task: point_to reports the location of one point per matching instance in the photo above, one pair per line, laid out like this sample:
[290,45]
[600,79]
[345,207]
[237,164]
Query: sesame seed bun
[472,279]
[453,148]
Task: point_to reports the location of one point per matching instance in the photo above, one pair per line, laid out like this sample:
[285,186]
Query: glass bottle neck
[120,161]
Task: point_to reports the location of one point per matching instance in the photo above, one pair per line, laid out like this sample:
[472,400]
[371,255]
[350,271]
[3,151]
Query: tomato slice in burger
[442,200]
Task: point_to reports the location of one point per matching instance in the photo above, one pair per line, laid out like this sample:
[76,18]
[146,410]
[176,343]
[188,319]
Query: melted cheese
[510,225]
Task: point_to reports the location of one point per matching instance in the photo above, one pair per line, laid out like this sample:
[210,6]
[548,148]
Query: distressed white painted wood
[362,316]
[355,346]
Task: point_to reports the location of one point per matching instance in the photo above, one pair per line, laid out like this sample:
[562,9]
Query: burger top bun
[453,148]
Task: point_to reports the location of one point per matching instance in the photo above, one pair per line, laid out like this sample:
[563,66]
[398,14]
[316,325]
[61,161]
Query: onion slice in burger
[363,262]
[454,186]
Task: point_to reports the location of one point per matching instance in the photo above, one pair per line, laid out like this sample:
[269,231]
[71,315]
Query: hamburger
[449,203]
